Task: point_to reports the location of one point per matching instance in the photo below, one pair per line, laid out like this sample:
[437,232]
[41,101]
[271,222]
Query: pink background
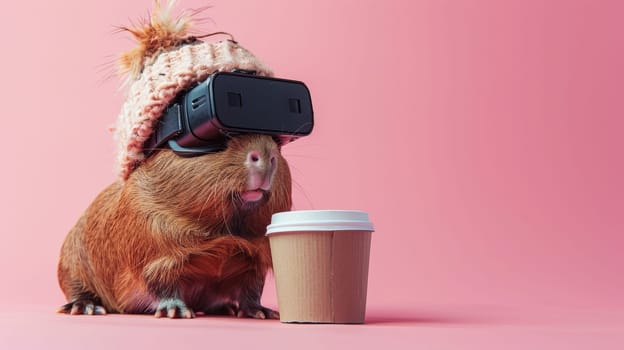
[483,137]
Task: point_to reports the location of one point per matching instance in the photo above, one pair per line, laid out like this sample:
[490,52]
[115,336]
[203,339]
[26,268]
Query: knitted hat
[166,62]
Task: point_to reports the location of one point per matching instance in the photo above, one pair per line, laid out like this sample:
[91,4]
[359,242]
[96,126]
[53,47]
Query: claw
[173,308]
[258,311]
[227,309]
[82,307]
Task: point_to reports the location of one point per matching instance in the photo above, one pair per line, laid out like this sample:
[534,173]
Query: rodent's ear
[162,31]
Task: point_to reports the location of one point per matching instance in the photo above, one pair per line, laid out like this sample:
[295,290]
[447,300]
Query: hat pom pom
[162,31]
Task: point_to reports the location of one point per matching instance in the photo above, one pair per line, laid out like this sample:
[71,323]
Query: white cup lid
[320,220]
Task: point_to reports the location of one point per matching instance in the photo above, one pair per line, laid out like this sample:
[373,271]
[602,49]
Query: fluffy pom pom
[162,31]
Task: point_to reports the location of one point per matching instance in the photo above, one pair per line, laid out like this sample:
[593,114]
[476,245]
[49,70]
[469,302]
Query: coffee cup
[320,263]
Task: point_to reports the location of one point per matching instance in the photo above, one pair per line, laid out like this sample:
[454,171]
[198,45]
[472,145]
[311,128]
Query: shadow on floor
[425,317]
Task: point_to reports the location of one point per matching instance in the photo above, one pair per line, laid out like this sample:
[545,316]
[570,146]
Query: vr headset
[201,119]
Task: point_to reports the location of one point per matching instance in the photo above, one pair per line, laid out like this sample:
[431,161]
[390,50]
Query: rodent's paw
[173,308]
[228,309]
[257,311]
[82,307]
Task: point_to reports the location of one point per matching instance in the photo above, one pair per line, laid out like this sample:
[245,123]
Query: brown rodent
[181,235]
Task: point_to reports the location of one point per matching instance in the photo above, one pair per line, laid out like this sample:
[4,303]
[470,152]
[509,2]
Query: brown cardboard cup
[320,262]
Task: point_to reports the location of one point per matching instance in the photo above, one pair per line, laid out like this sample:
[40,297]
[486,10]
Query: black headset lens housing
[200,120]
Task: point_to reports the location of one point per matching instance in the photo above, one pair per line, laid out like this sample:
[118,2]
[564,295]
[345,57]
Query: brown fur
[176,229]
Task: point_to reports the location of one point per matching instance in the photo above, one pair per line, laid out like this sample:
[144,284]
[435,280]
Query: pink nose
[261,167]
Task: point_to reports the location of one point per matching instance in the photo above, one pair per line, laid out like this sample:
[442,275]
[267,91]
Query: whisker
[225,222]
[107,69]
[105,79]
[305,156]
[196,11]
[305,194]
[200,21]
[294,168]
[107,64]
[294,134]
[201,211]
[233,197]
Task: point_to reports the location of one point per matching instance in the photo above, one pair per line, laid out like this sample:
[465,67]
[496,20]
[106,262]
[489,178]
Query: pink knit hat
[166,62]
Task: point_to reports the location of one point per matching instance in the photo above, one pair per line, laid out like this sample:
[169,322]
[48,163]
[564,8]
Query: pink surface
[484,138]
[436,328]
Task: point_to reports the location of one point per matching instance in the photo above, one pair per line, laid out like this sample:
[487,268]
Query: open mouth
[252,196]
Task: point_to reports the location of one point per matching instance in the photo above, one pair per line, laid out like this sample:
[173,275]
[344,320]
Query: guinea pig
[180,235]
